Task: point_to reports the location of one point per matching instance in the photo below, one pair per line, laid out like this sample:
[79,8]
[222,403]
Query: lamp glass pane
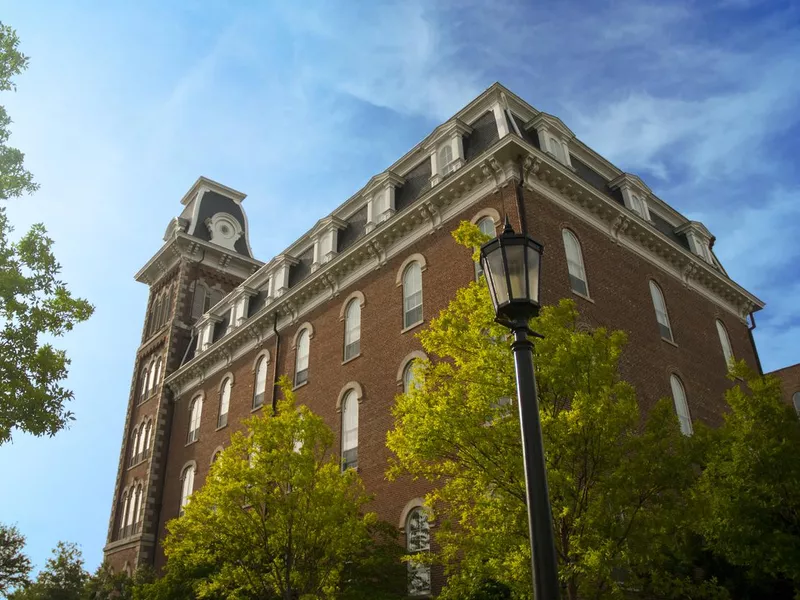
[534,259]
[515,257]
[497,276]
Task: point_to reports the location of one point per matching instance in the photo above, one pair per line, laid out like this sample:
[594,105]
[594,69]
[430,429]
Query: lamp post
[511,263]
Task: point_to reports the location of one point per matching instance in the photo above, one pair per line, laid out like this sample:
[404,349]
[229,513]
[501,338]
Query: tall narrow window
[796,402]
[130,509]
[577,272]
[557,149]
[187,486]
[350,431]
[151,378]
[445,159]
[147,433]
[125,507]
[143,383]
[199,301]
[661,311]
[487,227]
[352,329]
[134,447]
[418,540]
[140,444]
[137,509]
[301,361]
[157,378]
[224,402]
[195,410]
[260,390]
[409,380]
[725,342]
[681,407]
[412,295]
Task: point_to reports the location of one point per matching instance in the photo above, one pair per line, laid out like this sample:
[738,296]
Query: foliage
[276,517]
[33,301]
[63,577]
[107,585]
[14,564]
[749,493]
[618,486]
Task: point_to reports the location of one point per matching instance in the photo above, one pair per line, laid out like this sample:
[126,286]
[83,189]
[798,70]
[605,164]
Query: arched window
[557,149]
[681,407]
[418,540]
[301,360]
[796,402]
[143,383]
[125,506]
[487,227]
[577,272]
[260,389]
[445,158]
[725,342]
[157,377]
[350,431]
[409,380]
[134,446]
[352,329]
[195,410]
[224,402]
[137,508]
[661,311]
[151,378]
[412,295]
[147,433]
[131,508]
[140,444]
[187,486]
[638,205]
[215,456]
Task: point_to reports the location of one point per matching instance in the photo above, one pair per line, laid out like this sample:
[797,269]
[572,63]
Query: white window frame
[225,390]
[725,342]
[445,159]
[662,314]
[412,272]
[681,404]
[417,542]
[352,329]
[187,485]
[260,368]
[195,413]
[302,356]
[350,410]
[485,221]
[576,268]
[126,508]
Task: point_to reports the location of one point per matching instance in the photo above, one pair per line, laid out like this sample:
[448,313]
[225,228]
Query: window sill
[257,408]
[413,326]
[351,359]
[192,442]
[670,342]
[221,427]
[136,464]
[579,295]
[299,385]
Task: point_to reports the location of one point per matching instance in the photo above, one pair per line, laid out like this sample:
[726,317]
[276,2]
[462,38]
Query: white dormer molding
[380,198]
[280,276]
[325,236]
[446,148]
[554,136]
[224,230]
[699,239]
[635,194]
[240,305]
[205,330]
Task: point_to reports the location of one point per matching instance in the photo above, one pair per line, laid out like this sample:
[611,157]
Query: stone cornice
[552,123]
[696,226]
[210,184]
[494,167]
[631,181]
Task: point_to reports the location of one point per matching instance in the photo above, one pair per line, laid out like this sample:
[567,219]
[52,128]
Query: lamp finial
[507,227]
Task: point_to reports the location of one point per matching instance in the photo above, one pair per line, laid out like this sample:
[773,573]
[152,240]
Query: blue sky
[125,104]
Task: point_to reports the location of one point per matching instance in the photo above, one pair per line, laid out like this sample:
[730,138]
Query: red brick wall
[618,285]
[790,381]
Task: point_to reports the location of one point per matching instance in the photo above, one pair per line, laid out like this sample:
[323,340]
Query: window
[445,159]
[125,506]
[352,329]
[557,150]
[412,295]
[137,506]
[187,486]
[418,540]
[143,383]
[224,402]
[681,407]
[350,431]
[487,227]
[661,311]
[577,272]
[301,361]
[157,376]
[195,410]
[260,390]
[796,402]
[134,443]
[147,433]
[725,341]
[638,206]
[409,380]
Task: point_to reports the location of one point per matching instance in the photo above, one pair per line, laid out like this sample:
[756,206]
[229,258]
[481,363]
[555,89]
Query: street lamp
[511,263]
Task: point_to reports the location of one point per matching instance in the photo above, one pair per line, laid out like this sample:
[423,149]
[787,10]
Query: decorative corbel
[331,283]
[619,227]
[429,212]
[688,273]
[530,166]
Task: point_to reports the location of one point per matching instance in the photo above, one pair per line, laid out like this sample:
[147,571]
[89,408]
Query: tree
[15,566]
[107,585]
[748,496]
[33,301]
[618,484]
[276,517]
[63,577]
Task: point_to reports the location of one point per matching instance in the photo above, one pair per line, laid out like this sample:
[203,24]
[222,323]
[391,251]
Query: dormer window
[446,148]
[634,194]
[553,135]
[699,239]
[638,206]
[446,165]
[557,150]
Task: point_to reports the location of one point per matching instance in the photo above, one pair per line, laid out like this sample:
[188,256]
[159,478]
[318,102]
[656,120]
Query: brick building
[337,310]
[790,384]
